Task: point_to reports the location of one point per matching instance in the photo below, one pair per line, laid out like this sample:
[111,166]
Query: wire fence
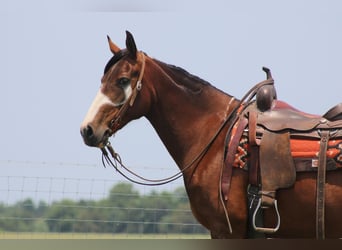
[50,204]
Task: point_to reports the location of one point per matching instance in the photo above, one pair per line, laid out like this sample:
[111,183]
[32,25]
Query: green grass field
[78,236]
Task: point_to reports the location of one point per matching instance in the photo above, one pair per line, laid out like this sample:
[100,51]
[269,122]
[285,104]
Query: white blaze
[100,100]
[128,92]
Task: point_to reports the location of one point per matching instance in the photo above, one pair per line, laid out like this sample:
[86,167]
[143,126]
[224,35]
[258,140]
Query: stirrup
[265,229]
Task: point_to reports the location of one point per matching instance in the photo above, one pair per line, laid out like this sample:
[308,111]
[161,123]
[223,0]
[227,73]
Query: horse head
[117,101]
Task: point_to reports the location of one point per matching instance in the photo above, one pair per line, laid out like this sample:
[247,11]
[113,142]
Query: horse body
[187,113]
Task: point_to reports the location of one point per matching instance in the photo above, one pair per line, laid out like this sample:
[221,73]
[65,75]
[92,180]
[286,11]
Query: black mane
[183,77]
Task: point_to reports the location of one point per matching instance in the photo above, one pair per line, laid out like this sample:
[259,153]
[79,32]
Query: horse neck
[186,112]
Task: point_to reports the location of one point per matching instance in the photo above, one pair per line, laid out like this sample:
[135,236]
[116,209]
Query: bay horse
[191,117]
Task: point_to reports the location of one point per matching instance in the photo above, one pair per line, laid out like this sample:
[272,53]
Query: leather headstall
[116,121]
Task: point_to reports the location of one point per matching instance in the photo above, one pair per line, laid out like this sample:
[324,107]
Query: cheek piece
[115,122]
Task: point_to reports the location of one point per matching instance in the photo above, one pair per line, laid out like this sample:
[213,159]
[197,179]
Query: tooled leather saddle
[277,141]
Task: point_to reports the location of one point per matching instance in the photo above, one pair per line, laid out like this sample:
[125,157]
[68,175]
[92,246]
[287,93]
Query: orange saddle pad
[300,148]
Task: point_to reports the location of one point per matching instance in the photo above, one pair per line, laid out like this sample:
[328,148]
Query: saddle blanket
[300,148]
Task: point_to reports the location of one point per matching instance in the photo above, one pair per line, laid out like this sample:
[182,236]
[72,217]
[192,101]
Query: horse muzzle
[95,138]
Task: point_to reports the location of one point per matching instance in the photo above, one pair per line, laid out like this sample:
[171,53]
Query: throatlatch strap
[320,188]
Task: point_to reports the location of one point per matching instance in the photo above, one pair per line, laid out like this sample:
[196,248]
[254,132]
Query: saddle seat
[285,117]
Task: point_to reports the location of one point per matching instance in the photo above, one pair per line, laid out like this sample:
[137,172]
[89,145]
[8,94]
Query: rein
[156,182]
[117,162]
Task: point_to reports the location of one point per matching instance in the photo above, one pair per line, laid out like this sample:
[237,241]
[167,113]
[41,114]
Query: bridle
[116,161]
[116,121]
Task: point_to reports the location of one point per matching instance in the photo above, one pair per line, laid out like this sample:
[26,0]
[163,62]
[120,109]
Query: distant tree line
[123,211]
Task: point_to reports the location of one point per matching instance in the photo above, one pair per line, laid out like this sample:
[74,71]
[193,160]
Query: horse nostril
[87,132]
[107,133]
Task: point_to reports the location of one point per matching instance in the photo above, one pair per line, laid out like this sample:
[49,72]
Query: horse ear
[114,48]
[130,45]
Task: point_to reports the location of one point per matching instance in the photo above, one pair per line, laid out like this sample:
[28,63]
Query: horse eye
[123,82]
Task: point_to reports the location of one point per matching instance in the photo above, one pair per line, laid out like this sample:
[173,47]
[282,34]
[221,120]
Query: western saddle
[270,125]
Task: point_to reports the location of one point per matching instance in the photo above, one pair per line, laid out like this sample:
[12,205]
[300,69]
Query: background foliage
[124,210]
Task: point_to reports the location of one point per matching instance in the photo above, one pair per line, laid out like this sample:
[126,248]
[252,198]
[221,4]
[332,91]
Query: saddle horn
[268,72]
[266,94]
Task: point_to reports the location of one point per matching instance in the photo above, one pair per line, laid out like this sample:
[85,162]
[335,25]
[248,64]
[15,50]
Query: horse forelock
[115,59]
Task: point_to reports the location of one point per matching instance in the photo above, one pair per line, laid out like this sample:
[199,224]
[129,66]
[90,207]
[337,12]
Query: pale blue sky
[53,54]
